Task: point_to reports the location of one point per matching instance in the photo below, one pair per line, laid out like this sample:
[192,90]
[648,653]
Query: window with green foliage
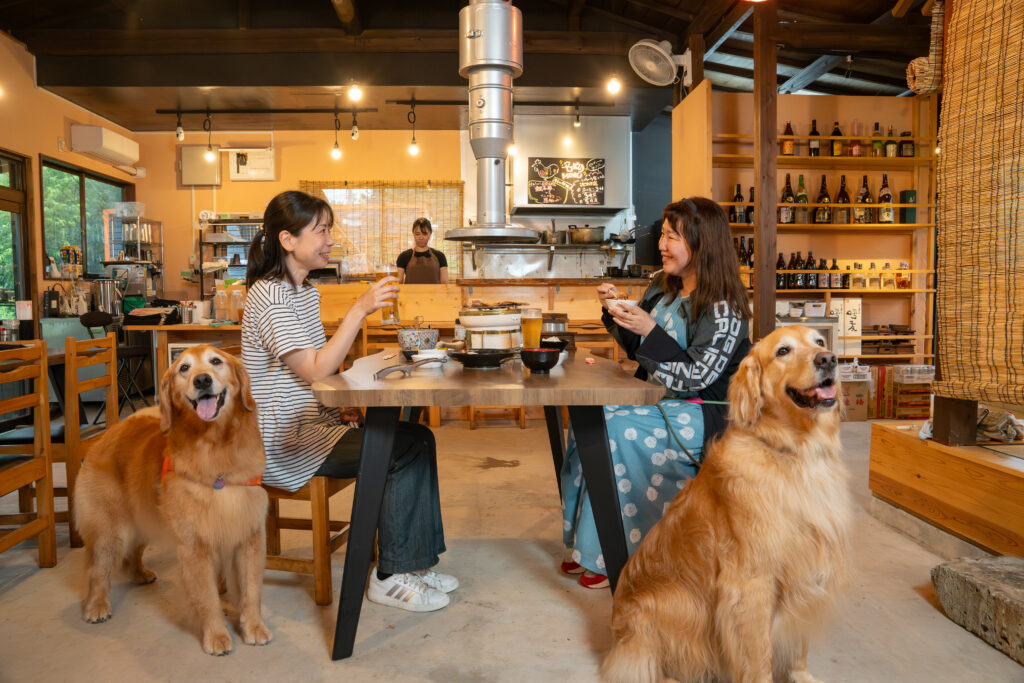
[73,204]
[13,267]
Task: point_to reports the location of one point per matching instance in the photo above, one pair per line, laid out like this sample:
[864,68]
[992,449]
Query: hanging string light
[336,151]
[208,127]
[414,149]
[576,122]
[355,128]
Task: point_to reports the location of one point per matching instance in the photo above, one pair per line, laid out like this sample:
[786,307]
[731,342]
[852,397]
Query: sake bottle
[786,212]
[842,215]
[823,214]
[886,211]
[800,215]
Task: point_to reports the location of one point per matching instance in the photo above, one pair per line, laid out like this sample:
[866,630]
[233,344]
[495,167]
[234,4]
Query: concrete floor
[514,618]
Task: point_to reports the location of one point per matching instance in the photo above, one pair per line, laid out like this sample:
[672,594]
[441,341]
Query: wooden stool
[318,491]
[518,411]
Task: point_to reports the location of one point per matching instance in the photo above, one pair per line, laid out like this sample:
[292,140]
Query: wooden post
[696,45]
[765,150]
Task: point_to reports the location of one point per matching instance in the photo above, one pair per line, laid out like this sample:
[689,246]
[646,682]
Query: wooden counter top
[551,282]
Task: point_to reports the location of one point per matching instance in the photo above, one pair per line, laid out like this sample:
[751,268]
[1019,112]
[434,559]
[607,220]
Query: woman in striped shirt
[285,350]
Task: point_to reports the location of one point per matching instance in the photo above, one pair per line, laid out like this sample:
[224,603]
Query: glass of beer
[388,314]
[531,323]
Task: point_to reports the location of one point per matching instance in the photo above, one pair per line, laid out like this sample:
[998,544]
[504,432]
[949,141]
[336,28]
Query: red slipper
[570,567]
[589,579]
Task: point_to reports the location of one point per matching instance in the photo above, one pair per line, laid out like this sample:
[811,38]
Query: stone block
[986,597]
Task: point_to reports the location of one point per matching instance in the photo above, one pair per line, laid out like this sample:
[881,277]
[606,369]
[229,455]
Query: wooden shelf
[855,292]
[740,137]
[814,205]
[825,163]
[838,227]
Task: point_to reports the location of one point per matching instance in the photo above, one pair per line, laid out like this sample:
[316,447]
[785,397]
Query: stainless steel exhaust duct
[490,56]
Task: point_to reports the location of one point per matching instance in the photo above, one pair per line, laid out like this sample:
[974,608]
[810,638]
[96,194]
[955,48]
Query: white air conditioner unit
[104,144]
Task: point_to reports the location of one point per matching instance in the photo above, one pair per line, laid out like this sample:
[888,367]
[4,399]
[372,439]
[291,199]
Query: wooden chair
[318,492]
[19,472]
[69,441]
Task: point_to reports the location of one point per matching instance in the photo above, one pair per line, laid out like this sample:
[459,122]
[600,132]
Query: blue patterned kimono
[650,466]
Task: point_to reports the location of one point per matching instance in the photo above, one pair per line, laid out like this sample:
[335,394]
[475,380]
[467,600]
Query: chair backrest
[95,319]
[83,354]
[28,362]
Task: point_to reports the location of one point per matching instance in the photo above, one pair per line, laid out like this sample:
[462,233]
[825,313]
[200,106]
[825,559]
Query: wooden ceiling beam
[866,77]
[575,10]
[732,21]
[667,10]
[711,12]
[926,8]
[658,31]
[348,15]
[901,7]
[116,42]
[853,37]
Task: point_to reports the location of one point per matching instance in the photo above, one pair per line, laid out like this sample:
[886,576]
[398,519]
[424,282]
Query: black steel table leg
[588,426]
[556,435]
[378,439]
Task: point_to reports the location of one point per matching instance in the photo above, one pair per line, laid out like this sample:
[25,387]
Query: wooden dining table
[582,383]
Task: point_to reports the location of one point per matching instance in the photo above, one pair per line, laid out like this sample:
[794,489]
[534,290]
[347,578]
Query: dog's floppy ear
[745,399]
[242,380]
[166,408]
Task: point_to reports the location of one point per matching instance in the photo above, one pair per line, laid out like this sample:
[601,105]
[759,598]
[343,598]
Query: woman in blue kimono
[688,334]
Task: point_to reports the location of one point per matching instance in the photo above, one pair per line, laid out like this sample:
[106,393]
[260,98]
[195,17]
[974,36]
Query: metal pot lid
[493,233]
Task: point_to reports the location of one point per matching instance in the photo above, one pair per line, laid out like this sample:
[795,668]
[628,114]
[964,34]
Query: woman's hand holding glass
[379,295]
[634,319]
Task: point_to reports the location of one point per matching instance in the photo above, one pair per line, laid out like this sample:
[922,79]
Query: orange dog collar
[218,484]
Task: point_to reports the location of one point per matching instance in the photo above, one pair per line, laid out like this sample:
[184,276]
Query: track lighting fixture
[179,132]
[355,128]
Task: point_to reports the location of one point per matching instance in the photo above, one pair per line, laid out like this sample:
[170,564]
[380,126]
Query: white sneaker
[445,583]
[406,591]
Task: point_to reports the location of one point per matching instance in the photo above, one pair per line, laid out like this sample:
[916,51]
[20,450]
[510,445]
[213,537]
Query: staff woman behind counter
[422,265]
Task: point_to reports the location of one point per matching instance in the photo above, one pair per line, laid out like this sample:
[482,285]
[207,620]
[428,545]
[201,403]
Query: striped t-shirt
[298,432]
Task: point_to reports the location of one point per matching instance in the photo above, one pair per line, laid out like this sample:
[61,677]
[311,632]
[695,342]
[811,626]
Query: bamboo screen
[373,219]
[980,210]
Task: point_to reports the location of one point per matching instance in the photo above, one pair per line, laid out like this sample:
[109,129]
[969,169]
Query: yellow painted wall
[31,120]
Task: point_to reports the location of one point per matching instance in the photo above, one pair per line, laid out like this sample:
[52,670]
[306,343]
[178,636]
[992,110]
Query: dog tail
[633,659]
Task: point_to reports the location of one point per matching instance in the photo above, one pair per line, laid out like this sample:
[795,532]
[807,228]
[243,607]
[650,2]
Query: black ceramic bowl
[559,344]
[539,360]
[481,359]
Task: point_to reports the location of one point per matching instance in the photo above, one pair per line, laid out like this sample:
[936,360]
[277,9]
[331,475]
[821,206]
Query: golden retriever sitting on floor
[751,554]
[192,466]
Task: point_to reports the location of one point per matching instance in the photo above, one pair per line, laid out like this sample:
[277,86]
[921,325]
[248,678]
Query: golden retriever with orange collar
[192,466]
[752,553]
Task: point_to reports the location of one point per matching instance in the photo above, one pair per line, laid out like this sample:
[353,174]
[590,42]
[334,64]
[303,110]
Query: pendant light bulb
[179,132]
[209,155]
[355,93]
[208,127]
[613,85]
[576,121]
[336,152]
[411,117]
[512,150]
[414,149]
[355,128]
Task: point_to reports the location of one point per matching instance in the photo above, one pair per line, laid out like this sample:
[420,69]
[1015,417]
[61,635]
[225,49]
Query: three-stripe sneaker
[406,591]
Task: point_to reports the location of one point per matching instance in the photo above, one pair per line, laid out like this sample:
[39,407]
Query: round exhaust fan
[654,62]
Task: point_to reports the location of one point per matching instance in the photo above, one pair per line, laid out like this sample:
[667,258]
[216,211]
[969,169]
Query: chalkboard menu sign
[566,181]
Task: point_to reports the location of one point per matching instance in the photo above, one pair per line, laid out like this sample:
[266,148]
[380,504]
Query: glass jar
[906,146]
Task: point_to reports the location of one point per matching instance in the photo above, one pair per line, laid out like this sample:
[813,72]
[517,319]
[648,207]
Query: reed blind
[373,218]
[980,207]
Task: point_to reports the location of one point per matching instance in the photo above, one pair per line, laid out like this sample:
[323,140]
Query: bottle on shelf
[906,146]
[811,278]
[737,213]
[877,143]
[847,277]
[786,215]
[842,215]
[886,211]
[780,278]
[857,277]
[800,281]
[835,278]
[750,252]
[823,274]
[856,146]
[814,140]
[890,144]
[888,277]
[823,214]
[749,217]
[874,279]
[741,253]
[788,144]
[800,215]
[837,145]
[903,279]
[791,277]
[863,214]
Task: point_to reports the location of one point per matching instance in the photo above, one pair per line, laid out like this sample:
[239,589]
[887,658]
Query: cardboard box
[855,401]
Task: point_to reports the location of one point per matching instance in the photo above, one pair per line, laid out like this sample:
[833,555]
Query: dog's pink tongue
[826,393]
[206,408]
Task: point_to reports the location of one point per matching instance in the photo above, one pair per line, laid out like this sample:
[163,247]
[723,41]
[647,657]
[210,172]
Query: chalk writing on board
[553,180]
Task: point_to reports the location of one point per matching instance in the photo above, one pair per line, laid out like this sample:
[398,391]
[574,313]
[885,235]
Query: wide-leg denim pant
[411,535]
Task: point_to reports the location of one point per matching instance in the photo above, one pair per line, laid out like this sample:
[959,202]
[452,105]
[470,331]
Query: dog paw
[802,677]
[97,611]
[144,576]
[217,643]
[256,634]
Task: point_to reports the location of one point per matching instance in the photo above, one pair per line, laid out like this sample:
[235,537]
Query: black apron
[423,270]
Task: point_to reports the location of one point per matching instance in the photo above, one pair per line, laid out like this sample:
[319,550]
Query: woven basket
[980,205]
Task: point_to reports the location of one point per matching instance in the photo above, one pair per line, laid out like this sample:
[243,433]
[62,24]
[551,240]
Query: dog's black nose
[825,360]
[203,382]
